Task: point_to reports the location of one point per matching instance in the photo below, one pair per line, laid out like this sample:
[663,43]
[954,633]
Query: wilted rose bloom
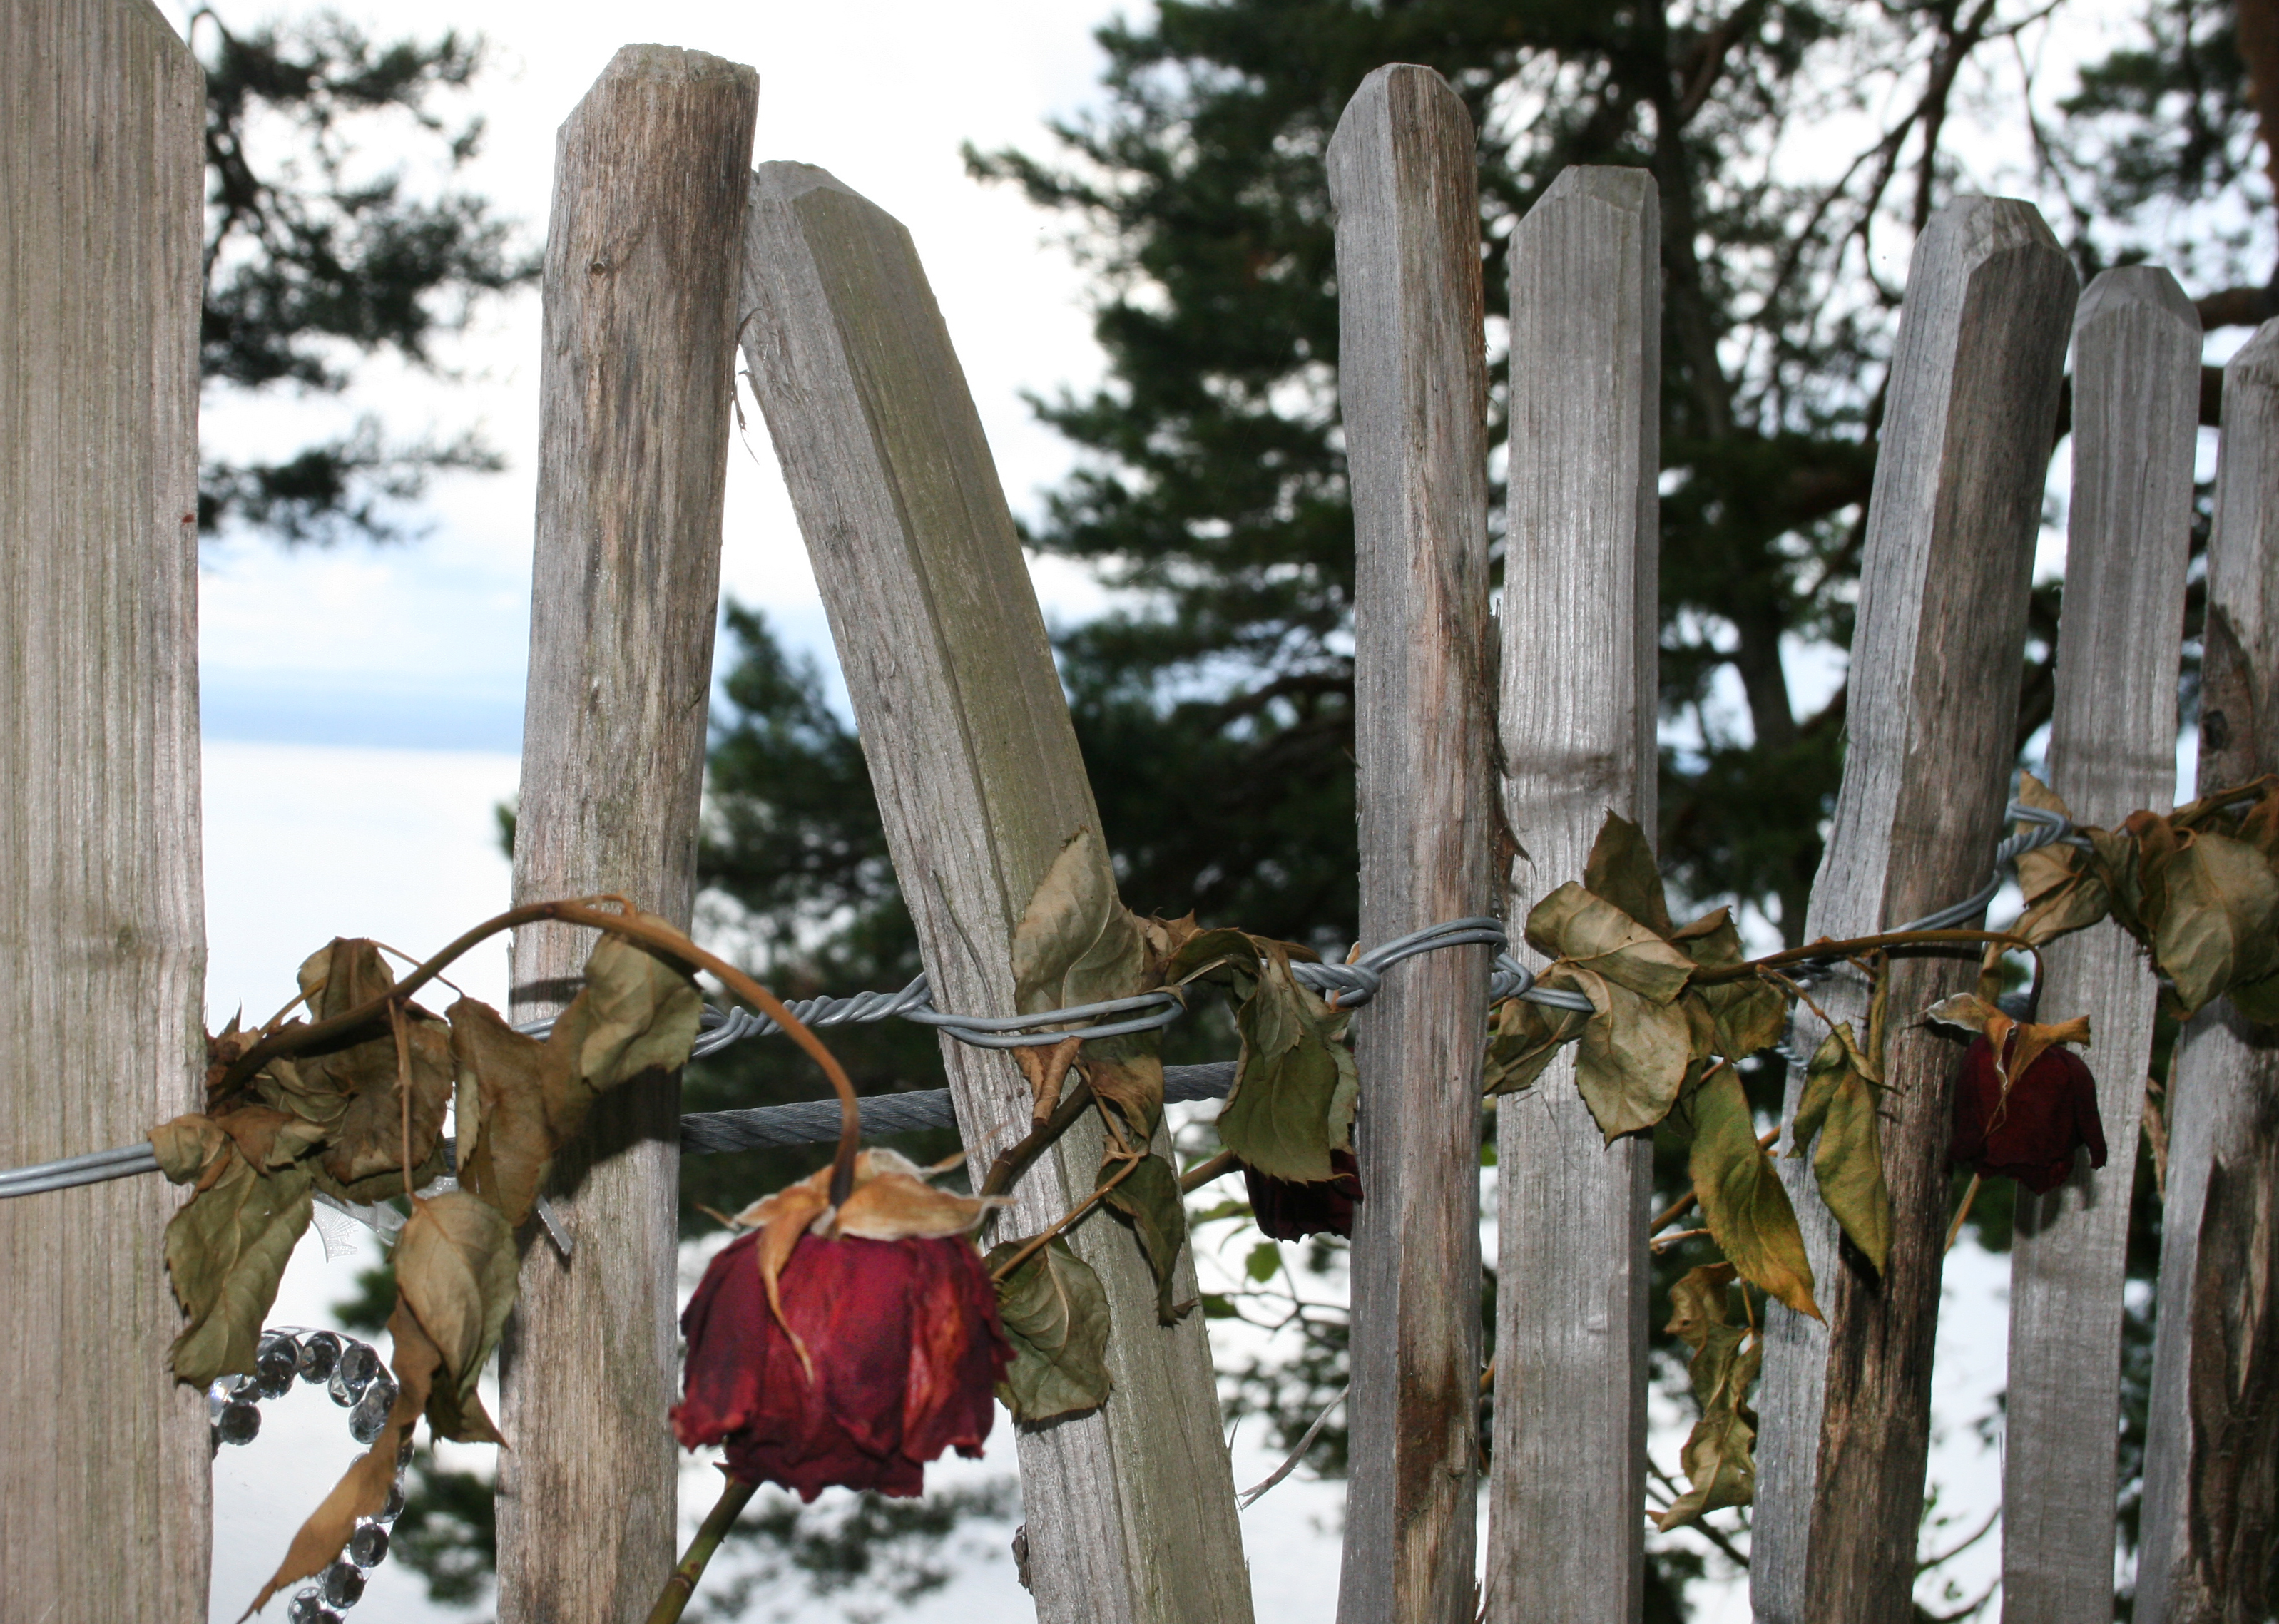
[1290,1211]
[906,1348]
[2032,1136]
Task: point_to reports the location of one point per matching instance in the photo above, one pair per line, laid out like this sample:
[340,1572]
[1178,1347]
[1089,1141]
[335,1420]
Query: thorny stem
[1195,1177]
[623,921]
[1954,1229]
[1038,1241]
[401,1028]
[1856,945]
[1014,1160]
[734,1494]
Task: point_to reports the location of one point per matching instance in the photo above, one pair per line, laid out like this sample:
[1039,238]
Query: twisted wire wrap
[1346,986]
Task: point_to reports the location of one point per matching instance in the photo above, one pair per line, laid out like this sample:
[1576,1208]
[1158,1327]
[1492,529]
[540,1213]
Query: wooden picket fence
[664,256]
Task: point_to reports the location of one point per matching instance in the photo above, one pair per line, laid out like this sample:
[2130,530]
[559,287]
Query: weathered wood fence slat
[2113,750]
[1412,382]
[1567,1484]
[1131,1508]
[636,383]
[1936,659]
[2212,1445]
[103,1482]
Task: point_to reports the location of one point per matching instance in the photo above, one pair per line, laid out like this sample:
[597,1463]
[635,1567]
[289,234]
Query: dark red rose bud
[2031,1135]
[906,1347]
[1291,1211]
[845,1345]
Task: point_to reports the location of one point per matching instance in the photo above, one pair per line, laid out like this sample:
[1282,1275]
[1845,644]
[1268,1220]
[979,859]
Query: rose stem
[674,1597]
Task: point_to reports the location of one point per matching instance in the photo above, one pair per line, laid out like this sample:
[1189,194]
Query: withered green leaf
[1148,1200]
[1718,1458]
[1632,1056]
[1076,942]
[351,1088]
[1838,1106]
[1055,1312]
[455,1271]
[638,1012]
[518,1101]
[1594,935]
[2063,889]
[1750,1014]
[1524,1038]
[1620,869]
[1295,1088]
[226,1250]
[1748,1212]
[2219,924]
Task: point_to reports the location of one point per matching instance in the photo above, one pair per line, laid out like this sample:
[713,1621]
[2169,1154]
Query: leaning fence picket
[1566,1488]
[1412,384]
[2113,750]
[1933,688]
[1131,1508]
[103,1479]
[640,350]
[2212,1443]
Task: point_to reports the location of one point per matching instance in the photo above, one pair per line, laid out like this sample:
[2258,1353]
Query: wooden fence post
[1412,383]
[1936,660]
[637,385]
[1566,1482]
[2113,750]
[1131,1508]
[2211,1450]
[105,1512]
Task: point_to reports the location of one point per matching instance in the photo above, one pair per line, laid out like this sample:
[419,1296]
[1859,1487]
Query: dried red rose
[846,1346]
[2031,1135]
[1290,1211]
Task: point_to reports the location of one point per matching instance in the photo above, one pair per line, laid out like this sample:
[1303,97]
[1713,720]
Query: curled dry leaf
[226,1249]
[351,1091]
[521,1099]
[1055,1312]
[1719,1458]
[455,1271]
[1748,1211]
[1149,1201]
[1839,1108]
[1045,1067]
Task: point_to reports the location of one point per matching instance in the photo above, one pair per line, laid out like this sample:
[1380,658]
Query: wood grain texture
[636,390]
[1131,1509]
[104,1514]
[1412,385]
[2113,750]
[1934,685]
[1567,1486]
[2211,1445]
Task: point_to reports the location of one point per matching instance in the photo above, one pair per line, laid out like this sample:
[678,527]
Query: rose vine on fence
[854,1331]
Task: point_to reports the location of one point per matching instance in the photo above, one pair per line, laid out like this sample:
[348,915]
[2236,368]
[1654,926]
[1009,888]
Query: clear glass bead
[368,1545]
[371,1414]
[276,1363]
[359,1363]
[394,1509]
[238,1423]
[320,1351]
[342,1583]
[308,1606]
